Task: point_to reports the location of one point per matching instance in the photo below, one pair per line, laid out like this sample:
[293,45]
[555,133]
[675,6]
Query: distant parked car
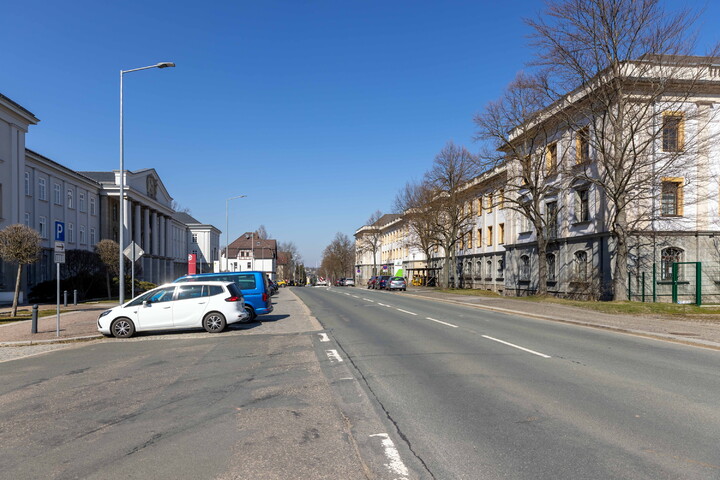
[349,282]
[208,305]
[382,282]
[371,281]
[321,283]
[253,285]
[396,283]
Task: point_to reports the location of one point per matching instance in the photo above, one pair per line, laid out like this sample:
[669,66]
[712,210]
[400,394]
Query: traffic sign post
[134,253]
[59,258]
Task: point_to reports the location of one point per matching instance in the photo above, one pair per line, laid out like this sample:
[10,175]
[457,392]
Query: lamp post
[121,233]
[227,230]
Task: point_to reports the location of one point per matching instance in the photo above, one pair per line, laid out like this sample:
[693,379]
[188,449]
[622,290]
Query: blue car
[253,285]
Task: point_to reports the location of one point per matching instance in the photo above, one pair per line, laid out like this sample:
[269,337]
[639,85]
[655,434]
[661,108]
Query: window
[469,242]
[92,206]
[93,238]
[671,203]
[83,240]
[501,198]
[489,202]
[27,184]
[501,234]
[194,237]
[489,235]
[81,201]
[186,292]
[478,273]
[582,145]
[673,131]
[489,269]
[582,209]
[57,196]
[42,227]
[550,267]
[551,158]
[581,266]
[42,192]
[479,205]
[27,219]
[669,256]
[501,268]
[524,268]
[70,203]
[154,296]
[551,219]
[70,233]
[479,237]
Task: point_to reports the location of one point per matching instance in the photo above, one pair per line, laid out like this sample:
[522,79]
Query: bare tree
[628,67]
[19,244]
[370,238]
[448,177]
[527,152]
[293,255]
[179,208]
[338,257]
[262,233]
[108,250]
[414,202]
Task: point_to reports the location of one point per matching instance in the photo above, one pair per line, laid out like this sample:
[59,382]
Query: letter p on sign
[59,231]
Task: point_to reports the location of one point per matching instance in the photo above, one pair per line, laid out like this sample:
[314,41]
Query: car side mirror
[146,303]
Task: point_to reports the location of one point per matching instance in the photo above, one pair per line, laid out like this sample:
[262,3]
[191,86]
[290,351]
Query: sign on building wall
[192,264]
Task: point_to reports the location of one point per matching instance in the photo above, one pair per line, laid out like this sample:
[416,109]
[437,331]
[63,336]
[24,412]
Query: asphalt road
[474,394]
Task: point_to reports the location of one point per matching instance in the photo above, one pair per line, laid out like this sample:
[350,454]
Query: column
[154,232]
[162,235]
[146,233]
[137,228]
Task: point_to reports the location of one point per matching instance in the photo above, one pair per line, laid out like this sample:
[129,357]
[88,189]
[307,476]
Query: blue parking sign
[59,231]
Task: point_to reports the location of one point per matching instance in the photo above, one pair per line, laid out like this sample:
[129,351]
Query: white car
[349,282]
[208,305]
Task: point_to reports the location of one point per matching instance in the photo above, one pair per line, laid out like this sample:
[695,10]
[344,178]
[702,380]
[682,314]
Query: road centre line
[439,321]
[517,346]
[405,311]
[383,305]
[368,300]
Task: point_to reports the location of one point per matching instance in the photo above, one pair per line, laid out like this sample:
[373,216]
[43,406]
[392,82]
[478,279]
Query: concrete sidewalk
[699,330]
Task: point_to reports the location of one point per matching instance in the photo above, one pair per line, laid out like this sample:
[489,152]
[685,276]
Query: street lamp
[121,235]
[227,230]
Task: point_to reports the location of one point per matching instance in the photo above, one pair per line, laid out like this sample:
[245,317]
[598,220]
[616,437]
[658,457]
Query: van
[253,285]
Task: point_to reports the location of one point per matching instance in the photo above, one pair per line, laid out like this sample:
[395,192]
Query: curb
[640,333]
[28,343]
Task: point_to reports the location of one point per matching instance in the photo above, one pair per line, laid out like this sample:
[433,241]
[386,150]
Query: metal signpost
[133,252]
[59,258]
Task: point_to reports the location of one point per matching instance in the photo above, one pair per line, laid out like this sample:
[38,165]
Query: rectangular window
[489,202]
[70,203]
[42,192]
[92,206]
[551,158]
[83,240]
[70,233]
[671,201]
[673,131]
[93,238]
[42,227]
[501,234]
[551,219]
[81,201]
[479,237]
[194,237]
[489,235]
[469,240]
[582,145]
[27,184]
[582,209]
[27,219]
[479,205]
[57,196]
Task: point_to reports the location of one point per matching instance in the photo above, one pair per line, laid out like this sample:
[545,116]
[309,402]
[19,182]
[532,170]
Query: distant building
[250,252]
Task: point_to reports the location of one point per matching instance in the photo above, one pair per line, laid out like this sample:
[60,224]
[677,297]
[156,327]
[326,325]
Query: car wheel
[214,322]
[122,328]
[251,314]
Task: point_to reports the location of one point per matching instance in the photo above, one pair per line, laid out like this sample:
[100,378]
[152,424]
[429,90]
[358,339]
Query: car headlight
[104,313]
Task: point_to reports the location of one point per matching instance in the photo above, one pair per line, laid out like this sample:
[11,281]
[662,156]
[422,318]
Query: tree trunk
[621,270]
[542,267]
[107,282]
[17,290]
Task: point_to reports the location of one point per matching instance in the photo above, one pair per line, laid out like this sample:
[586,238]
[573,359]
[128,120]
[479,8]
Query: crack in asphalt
[387,413]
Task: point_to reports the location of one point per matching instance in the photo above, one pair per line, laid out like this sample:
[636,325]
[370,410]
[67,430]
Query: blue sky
[318,111]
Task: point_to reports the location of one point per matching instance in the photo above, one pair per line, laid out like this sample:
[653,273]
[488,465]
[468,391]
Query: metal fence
[695,283]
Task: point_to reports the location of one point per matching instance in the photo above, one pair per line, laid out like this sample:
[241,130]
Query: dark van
[253,285]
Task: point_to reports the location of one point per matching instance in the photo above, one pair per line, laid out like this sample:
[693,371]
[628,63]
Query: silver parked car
[396,283]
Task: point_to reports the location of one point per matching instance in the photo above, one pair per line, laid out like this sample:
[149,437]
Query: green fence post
[643,287]
[698,284]
[674,282]
[654,283]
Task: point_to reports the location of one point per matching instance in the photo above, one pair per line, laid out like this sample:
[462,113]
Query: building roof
[102,177]
[24,110]
[263,247]
[186,218]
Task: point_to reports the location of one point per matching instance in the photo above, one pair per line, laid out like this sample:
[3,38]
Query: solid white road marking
[405,311]
[333,355]
[518,347]
[324,337]
[395,465]
[444,323]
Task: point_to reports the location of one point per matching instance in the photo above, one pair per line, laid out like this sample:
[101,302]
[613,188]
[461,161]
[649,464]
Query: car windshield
[397,279]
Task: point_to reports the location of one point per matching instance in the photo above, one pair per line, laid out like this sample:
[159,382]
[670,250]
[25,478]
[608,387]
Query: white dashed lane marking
[440,321]
[405,311]
[324,337]
[517,346]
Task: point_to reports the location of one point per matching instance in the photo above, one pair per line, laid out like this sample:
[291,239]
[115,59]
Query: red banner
[192,264]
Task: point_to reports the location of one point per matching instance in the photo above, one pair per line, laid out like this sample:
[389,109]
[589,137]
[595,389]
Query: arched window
[489,268]
[668,256]
[478,272]
[525,268]
[550,267]
[501,268]
[581,266]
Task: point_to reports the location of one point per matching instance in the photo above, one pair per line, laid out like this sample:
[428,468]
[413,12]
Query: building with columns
[37,191]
